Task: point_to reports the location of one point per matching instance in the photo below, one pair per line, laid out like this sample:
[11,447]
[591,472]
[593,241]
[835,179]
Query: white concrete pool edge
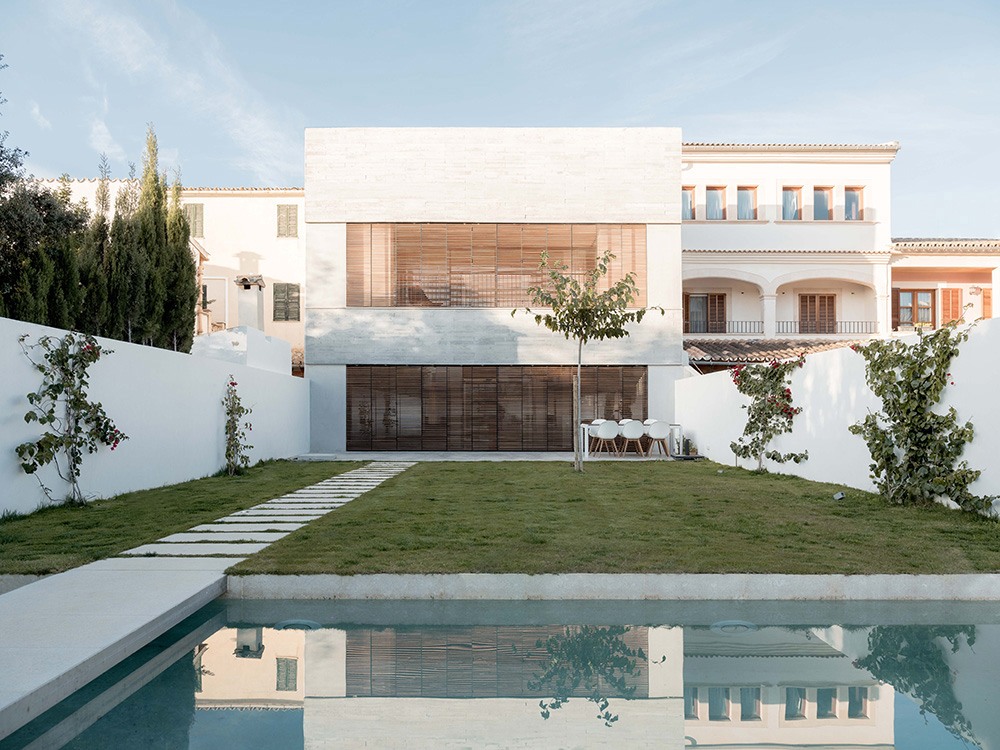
[620,586]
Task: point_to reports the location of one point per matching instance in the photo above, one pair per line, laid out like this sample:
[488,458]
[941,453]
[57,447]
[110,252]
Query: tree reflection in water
[912,659]
[588,661]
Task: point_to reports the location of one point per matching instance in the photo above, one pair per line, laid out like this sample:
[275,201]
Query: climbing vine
[73,424]
[237,426]
[915,450]
[770,411]
[594,660]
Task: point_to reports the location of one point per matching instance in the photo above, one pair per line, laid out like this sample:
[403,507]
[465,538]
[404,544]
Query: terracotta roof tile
[722,351]
[945,245]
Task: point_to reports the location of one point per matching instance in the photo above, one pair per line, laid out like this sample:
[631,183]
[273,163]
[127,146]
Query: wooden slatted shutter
[951,305]
[359,408]
[195,214]
[826,313]
[383,408]
[717,313]
[484,408]
[280,302]
[559,425]
[358,282]
[509,404]
[383,266]
[409,291]
[987,303]
[434,263]
[895,309]
[687,313]
[434,402]
[288,220]
[293,306]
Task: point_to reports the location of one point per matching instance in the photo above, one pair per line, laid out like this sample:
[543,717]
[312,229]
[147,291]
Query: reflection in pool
[303,675]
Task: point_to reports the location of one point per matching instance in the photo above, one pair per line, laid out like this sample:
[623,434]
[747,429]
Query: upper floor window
[822,204]
[195,214]
[288,220]
[746,203]
[916,307]
[826,703]
[286,302]
[749,704]
[857,703]
[795,703]
[481,265]
[687,204]
[853,204]
[715,203]
[718,704]
[791,204]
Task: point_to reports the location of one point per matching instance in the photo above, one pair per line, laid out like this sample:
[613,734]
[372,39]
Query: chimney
[251,301]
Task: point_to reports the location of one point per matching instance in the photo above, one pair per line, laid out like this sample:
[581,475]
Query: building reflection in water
[668,686]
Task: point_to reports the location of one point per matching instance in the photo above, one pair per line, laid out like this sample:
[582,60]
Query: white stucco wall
[832,391]
[168,404]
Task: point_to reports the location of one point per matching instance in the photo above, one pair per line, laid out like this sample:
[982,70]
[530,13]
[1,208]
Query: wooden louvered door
[987,303]
[951,305]
[817,313]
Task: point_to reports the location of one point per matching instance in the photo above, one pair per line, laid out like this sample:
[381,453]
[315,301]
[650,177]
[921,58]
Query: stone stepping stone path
[247,532]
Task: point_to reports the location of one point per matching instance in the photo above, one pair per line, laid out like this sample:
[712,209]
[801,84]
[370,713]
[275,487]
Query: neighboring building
[421,241]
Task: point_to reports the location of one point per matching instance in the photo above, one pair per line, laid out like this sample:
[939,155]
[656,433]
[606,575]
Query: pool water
[548,674]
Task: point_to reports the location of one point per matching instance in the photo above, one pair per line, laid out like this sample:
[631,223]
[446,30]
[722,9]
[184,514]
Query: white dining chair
[658,432]
[631,431]
[607,433]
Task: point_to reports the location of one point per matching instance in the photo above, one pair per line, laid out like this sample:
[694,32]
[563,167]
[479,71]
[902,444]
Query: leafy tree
[579,311]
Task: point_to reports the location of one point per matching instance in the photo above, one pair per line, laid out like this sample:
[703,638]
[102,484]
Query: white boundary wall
[170,406]
[833,394]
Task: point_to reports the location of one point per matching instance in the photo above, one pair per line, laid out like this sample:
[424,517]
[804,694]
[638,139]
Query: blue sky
[230,85]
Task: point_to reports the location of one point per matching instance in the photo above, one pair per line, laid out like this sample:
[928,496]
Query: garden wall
[833,394]
[169,405]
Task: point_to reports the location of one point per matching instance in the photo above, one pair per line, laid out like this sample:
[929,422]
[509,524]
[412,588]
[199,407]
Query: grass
[61,537]
[651,517]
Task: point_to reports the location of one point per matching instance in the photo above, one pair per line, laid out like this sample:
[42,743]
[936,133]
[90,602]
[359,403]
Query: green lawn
[649,517]
[62,537]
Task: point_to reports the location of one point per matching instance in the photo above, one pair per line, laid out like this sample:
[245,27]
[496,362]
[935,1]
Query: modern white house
[397,266]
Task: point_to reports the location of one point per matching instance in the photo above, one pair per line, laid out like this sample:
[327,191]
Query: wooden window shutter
[687,313]
[827,313]
[280,302]
[292,306]
[716,313]
[987,303]
[895,309]
[195,214]
[951,305]
[288,220]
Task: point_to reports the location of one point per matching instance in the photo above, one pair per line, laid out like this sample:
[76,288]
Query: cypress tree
[94,262]
[182,281]
[127,267]
[151,228]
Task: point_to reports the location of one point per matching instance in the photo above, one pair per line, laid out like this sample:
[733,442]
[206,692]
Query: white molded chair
[605,436]
[632,431]
[658,433]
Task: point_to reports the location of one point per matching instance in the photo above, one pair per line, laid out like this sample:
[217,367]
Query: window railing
[733,327]
[852,327]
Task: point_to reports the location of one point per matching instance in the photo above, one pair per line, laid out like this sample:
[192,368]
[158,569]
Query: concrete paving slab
[195,550]
[226,536]
[256,527]
[73,626]
[275,513]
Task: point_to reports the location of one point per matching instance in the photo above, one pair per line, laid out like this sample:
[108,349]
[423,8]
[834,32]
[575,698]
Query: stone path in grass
[247,532]
[64,630]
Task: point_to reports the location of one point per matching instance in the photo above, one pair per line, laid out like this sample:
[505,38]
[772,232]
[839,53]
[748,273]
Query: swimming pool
[304,674]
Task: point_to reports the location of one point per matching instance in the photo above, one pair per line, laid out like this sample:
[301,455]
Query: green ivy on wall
[916,450]
[770,411]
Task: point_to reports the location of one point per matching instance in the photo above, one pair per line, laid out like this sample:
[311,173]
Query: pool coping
[619,586]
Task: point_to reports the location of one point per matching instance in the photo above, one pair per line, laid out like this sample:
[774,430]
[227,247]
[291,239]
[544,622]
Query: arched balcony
[721,305]
[826,307]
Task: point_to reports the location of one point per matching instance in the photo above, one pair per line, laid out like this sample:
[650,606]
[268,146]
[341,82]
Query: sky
[230,85]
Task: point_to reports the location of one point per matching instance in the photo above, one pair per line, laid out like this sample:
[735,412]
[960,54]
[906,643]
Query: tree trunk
[577,410]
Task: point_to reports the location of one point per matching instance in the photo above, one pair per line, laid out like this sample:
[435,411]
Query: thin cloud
[103,142]
[40,119]
[198,77]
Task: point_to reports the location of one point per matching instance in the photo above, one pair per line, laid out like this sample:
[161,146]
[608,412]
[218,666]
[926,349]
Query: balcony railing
[734,327]
[850,327]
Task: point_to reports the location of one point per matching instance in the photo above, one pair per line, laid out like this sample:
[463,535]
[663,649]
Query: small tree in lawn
[579,311]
